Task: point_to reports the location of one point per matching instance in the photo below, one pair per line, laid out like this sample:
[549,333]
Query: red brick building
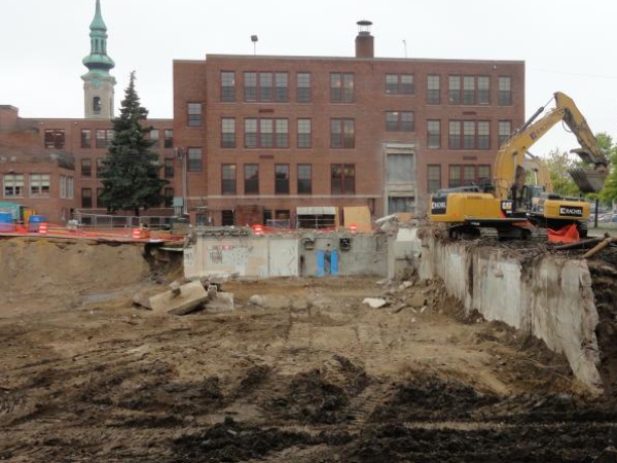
[33,146]
[270,134]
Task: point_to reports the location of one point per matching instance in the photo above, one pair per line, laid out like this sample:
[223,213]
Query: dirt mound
[559,443]
[431,398]
[43,268]
[321,395]
[231,441]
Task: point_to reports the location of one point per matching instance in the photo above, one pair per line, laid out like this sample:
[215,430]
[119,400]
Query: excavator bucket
[588,180]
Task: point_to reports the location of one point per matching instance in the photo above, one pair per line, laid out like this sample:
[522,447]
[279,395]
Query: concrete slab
[190,297]
[221,303]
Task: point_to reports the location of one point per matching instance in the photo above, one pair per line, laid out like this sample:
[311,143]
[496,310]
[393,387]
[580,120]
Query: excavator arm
[511,155]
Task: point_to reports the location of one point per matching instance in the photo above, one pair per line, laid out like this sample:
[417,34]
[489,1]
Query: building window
[469,90]
[454,89]
[228,132]
[281,175]
[433,134]
[228,86]
[505,91]
[474,135]
[434,177]
[433,89]
[251,179]
[96,105]
[303,87]
[342,133]
[281,83]
[86,198]
[194,160]
[70,187]
[463,175]
[100,167]
[54,138]
[343,179]
[304,133]
[169,167]
[484,175]
[228,179]
[66,187]
[86,138]
[281,127]
[454,177]
[39,185]
[86,168]
[341,87]
[260,133]
[154,137]
[400,168]
[484,90]
[13,185]
[454,135]
[104,137]
[469,135]
[401,204]
[505,129]
[265,86]
[169,138]
[250,133]
[227,218]
[100,203]
[194,113]
[399,121]
[250,86]
[266,128]
[484,135]
[399,84]
[305,180]
[168,196]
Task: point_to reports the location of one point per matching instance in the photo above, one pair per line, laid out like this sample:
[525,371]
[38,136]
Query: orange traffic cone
[43,228]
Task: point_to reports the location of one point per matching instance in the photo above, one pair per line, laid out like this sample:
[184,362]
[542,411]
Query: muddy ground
[86,377]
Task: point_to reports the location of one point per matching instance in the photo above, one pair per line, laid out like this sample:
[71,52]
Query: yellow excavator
[510,206]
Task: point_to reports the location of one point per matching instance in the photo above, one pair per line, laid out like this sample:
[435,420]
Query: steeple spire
[98,59]
[98,83]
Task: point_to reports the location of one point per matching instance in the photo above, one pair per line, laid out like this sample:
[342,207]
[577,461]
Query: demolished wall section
[549,297]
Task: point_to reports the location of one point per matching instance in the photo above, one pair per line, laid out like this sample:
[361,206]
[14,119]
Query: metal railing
[101,221]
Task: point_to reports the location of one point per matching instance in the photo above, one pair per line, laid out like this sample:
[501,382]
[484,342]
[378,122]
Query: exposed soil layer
[329,380]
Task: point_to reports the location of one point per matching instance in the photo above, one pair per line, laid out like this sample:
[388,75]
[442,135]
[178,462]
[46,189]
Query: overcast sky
[567,45]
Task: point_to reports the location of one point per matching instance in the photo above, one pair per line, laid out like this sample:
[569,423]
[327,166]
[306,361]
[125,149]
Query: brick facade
[373,143]
[28,140]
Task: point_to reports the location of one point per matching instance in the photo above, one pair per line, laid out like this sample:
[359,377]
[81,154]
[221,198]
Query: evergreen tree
[130,174]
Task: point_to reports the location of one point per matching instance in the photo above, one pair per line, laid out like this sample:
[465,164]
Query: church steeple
[98,83]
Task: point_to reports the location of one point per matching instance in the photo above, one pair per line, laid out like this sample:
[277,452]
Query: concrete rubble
[187,296]
[375,302]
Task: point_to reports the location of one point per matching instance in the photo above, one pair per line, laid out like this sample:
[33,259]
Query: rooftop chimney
[364,40]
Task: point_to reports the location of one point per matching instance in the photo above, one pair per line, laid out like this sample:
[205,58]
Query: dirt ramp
[44,268]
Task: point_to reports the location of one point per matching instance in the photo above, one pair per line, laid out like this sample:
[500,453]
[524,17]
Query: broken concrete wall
[403,250]
[358,254]
[246,256]
[286,255]
[549,297]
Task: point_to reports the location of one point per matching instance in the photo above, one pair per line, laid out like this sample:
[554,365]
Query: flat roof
[353,58]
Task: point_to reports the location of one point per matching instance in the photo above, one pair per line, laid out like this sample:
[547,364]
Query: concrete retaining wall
[285,255]
[549,297]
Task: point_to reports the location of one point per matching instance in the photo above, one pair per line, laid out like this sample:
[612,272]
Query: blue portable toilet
[34,223]
[6,222]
